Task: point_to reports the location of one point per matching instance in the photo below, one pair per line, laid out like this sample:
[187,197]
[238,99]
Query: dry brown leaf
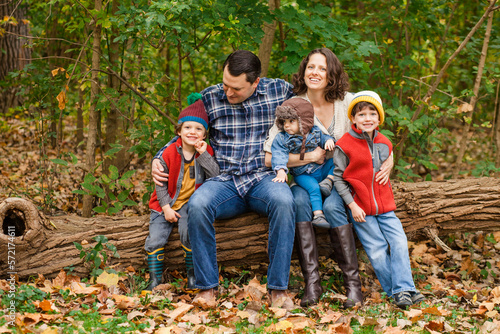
[278,311]
[437,326]
[463,108]
[28,319]
[45,305]
[125,302]
[394,330]
[134,314]
[60,280]
[61,98]
[180,310]
[330,316]
[413,313]
[192,318]
[419,250]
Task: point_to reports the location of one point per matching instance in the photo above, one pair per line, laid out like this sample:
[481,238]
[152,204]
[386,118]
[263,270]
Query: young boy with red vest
[357,158]
[189,161]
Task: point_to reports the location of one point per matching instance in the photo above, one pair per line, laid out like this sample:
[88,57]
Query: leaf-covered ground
[462,286]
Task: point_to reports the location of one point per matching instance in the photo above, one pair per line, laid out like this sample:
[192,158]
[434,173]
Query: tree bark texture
[88,200]
[266,44]
[13,51]
[45,244]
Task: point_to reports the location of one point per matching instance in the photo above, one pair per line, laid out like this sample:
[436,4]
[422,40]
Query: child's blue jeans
[385,243]
[310,183]
[160,229]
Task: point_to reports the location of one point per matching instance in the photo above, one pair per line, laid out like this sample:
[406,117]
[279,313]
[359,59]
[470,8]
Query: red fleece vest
[174,161]
[372,197]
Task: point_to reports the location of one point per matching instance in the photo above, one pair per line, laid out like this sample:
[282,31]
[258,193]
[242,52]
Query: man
[240,112]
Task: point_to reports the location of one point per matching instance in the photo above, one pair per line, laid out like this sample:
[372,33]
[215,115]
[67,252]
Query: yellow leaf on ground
[284,325]
[107,279]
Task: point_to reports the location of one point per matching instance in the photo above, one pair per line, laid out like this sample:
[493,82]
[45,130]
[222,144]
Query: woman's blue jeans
[333,207]
[385,243]
[220,200]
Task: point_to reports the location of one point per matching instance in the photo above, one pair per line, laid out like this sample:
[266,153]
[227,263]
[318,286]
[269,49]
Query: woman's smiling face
[316,73]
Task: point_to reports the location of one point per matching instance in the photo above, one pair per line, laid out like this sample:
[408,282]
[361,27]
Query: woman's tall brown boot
[308,259]
[344,247]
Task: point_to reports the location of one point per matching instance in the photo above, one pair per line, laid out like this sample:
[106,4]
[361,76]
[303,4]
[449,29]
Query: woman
[322,81]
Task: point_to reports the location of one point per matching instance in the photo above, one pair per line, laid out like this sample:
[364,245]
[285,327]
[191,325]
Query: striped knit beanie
[196,113]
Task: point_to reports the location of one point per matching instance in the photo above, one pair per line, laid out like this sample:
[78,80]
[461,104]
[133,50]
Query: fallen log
[44,245]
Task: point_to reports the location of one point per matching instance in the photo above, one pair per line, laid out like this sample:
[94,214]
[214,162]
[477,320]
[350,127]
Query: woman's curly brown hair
[338,80]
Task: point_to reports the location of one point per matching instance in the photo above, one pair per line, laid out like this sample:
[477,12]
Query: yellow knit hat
[367,96]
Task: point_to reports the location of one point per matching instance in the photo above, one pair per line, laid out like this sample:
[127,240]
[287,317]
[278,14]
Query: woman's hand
[157,173]
[382,176]
[318,155]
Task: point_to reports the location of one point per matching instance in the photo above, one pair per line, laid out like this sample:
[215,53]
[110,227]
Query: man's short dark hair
[243,61]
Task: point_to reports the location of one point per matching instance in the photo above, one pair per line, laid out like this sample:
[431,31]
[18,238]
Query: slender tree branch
[56,57]
[438,90]
[139,94]
[199,44]
[87,10]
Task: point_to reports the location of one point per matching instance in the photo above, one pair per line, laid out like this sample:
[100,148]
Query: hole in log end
[14,221]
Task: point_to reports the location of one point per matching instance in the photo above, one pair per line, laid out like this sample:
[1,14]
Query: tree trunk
[88,200]
[13,51]
[116,125]
[45,245]
[477,85]
[267,41]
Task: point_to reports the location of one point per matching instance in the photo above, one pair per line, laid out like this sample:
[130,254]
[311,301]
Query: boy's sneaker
[320,221]
[416,297]
[402,299]
[326,186]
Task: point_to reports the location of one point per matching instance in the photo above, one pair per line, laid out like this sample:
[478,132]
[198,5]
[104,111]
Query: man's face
[237,89]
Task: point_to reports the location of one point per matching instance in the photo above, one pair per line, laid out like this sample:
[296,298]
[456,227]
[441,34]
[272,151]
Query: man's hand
[157,173]
[318,155]
[357,213]
[329,145]
[170,215]
[201,146]
[281,176]
[383,174]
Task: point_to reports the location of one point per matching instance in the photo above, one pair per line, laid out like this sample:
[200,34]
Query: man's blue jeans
[385,243]
[333,207]
[220,200]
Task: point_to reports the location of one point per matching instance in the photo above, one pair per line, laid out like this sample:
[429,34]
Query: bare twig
[437,90]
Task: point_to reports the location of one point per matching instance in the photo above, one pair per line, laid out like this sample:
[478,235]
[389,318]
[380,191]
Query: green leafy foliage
[97,256]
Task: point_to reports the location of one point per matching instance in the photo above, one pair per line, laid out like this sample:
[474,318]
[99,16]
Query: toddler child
[295,120]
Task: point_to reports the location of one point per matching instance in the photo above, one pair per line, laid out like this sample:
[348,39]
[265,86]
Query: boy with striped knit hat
[189,161]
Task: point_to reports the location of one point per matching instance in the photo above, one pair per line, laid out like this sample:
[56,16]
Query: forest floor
[462,286]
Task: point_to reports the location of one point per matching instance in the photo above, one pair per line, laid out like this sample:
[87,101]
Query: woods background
[89,90]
